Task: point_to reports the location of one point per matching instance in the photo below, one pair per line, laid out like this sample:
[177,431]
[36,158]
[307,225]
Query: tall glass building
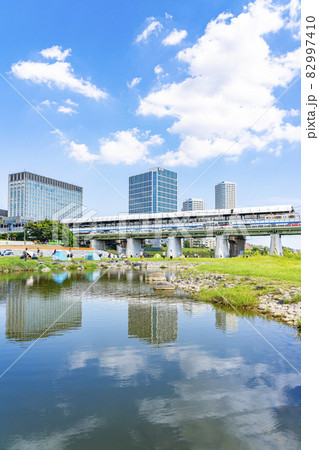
[153,191]
[31,195]
[225,195]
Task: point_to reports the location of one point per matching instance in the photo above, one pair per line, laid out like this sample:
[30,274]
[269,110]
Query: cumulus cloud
[229,88]
[134,82]
[47,103]
[70,102]
[175,37]
[122,147]
[128,147]
[66,110]
[153,27]
[158,69]
[56,52]
[59,74]
[293,9]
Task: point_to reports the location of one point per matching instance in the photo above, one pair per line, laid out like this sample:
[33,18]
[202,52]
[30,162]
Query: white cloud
[134,82]
[81,152]
[168,16]
[154,27]
[158,69]
[66,110]
[175,37]
[56,52]
[128,147]
[59,74]
[70,102]
[293,21]
[232,74]
[47,103]
[123,147]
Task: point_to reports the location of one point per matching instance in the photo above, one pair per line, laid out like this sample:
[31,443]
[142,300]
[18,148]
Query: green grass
[296,299]
[279,268]
[240,296]
[15,264]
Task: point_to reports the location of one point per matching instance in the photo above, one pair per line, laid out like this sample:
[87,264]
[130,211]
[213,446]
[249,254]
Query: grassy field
[279,268]
[15,264]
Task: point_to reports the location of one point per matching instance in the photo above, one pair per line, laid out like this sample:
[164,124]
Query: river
[123,366]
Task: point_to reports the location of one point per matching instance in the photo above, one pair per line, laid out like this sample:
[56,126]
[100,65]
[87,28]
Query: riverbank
[16,265]
[266,285]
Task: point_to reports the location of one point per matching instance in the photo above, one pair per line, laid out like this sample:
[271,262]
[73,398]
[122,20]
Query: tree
[49,230]
[186,244]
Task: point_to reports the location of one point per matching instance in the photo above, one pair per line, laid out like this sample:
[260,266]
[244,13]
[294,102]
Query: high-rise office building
[31,195]
[225,195]
[153,191]
[194,204]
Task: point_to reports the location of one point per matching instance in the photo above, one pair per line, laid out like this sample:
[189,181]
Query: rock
[163,285]
[45,269]
[262,307]
[155,276]
[75,261]
[260,287]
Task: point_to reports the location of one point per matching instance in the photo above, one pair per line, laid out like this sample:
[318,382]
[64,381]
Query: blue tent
[59,256]
[92,257]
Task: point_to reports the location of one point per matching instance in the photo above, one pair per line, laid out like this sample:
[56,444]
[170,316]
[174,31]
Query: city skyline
[130,95]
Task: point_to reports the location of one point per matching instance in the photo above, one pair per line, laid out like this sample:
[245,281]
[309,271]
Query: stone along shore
[274,300]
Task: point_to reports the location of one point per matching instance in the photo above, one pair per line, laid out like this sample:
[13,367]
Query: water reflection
[218,398]
[59,277]
[226,321]
[28,314]
[93,276]
[144,370]
[152,322]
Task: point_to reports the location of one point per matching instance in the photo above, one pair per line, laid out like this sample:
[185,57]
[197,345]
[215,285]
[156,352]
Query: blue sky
[129,85]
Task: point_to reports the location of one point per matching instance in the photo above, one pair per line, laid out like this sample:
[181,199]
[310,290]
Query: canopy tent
[93,257]
[59,256]
[157,255]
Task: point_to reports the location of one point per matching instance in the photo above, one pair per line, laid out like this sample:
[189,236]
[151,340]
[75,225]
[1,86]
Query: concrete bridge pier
[236,246]
[174,244]
[275,245]
[97,245]
[222,247]
[133,246]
